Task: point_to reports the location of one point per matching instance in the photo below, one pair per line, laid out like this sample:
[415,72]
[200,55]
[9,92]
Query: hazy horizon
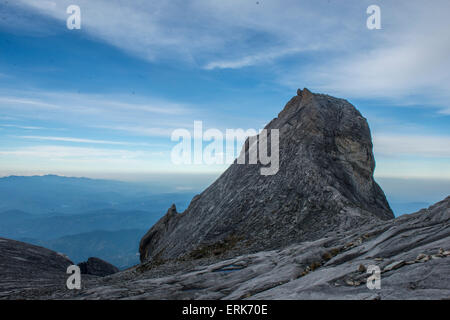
[405,195]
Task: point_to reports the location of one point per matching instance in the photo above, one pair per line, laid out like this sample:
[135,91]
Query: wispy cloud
[428,146]
[407,63]
[85,103]
[27,102]
[400,60]
[98,155]
[404,70]
[144,131]
[50,158]
[445,110]
[21,127]
[209,33]
[251,60]
[137,114]
[60,152]
[79,140]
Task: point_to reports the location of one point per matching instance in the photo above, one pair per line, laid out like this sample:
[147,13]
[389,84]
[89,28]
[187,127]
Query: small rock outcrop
[324,183]
[97,267]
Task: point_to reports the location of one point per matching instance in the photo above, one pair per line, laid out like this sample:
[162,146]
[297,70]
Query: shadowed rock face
[97,267]
[324,183]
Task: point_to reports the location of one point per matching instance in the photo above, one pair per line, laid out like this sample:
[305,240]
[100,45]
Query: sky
[103,100]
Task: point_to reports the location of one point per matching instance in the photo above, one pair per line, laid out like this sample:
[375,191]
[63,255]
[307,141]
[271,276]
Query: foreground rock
[324,183]
[32,272]
[412,252]
[28,271]
[97,267]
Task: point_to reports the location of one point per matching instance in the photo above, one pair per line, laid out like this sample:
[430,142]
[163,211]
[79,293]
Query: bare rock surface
[412,252]
[32,272]
[27,271]
[324,183]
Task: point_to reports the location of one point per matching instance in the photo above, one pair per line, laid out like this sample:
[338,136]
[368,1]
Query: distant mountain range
[82,217]
[21,225]
[56,195]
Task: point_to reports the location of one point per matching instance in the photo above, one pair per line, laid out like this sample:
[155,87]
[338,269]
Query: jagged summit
[324,184]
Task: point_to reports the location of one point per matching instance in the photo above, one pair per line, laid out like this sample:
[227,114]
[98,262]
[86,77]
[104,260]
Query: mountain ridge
[53,194]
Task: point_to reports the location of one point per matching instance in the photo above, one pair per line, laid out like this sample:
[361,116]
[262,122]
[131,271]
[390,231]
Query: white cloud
[90,103]
[406,69]
[407,63]
[251,60]
[144,131]
[21,127]
[211,33]
[239,33]
[79,140]
[395,145]
[50,158]
[133,114]
[408,57]
[27,102]
[60,152]
[445,111]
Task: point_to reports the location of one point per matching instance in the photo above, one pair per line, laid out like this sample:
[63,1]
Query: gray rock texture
[27,271]
[412,252]
[324,183]
[32,272]
[97,267]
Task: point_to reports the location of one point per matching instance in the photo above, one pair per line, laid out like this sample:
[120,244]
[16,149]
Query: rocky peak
[324,184]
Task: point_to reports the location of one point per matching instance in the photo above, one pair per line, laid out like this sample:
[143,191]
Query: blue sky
[102,101]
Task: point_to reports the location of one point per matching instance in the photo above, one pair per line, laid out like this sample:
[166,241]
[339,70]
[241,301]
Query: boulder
[97,267]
